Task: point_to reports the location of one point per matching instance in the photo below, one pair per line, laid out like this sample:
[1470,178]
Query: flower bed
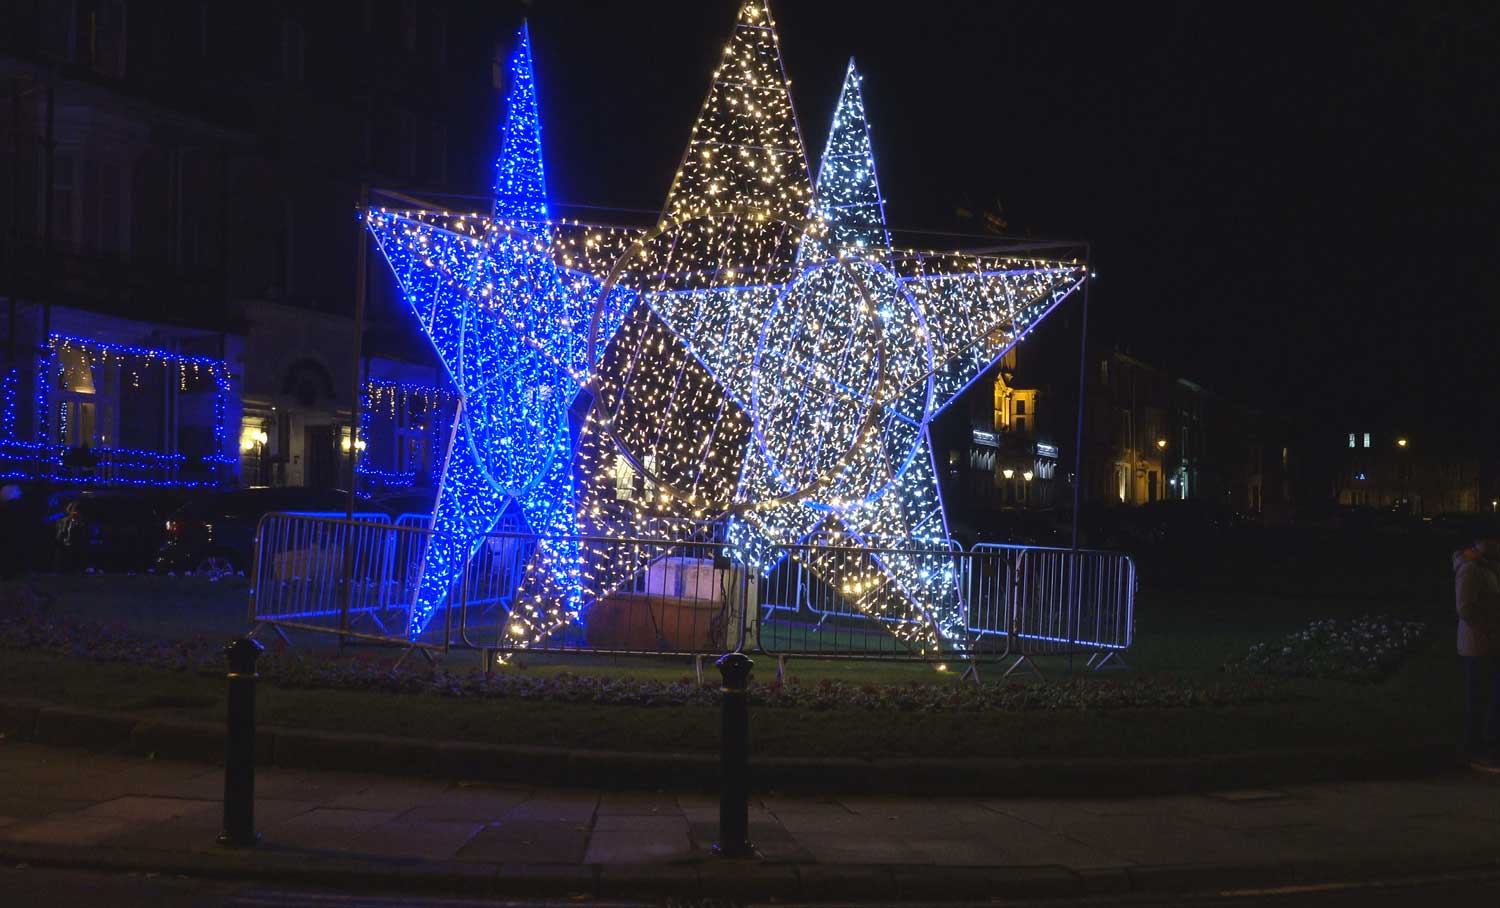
[26,627]
[1363,649]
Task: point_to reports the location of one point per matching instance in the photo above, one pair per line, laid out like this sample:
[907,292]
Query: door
[320,463]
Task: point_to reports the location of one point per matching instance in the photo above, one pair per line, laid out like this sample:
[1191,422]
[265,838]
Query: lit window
[1351,440]
[624,475]
[1367,439]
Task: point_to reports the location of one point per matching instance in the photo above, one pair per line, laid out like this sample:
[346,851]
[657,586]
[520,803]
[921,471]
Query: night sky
[1292,204]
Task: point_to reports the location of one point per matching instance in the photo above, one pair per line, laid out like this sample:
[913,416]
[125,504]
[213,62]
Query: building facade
[1391,471]
[1148,436]
[179,182]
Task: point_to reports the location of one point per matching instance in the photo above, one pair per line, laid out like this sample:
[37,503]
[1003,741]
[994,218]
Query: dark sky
[1294,204]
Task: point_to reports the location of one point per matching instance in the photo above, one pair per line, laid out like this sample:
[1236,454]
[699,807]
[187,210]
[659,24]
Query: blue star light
[507,302]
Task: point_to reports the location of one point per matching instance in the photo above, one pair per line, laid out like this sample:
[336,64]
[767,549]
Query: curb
[751,881]
[41,723]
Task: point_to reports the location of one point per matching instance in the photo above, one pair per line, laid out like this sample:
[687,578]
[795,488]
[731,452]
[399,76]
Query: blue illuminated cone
[511,329]
[520,176]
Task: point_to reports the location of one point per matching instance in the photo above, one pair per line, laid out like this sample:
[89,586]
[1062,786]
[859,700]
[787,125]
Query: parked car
[114,530]
[415,500]
[1017,526]
[215,534]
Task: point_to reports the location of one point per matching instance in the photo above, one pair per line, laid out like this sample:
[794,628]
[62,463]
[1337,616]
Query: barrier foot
[698,669]
[414,649]
[1113,660]
[970,671]
[286,642]
[1024,664]
[780,668]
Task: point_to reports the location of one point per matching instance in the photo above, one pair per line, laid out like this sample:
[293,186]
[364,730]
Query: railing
[359,579]
[1058,601]
[356,577]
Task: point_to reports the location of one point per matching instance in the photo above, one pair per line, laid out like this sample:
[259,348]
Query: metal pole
[1083,380]
[355,405]
[48,281]
[1083,377]
[357,389]
[239,746]
[13,256]
[734,759]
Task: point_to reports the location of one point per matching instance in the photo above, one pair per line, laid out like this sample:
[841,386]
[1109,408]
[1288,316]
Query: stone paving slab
[600,843]
[632,839]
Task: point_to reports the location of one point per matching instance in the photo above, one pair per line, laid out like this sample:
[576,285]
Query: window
[109,231]
[438,18]
[107,39]
[1021,424]
[409,24]
[76,423]
[438,165]
[412,454]
[1367,439]
[1021,407]
[408,161]
[58,31]
[624,476]
[1351,440]
[75,383]
[292,54]
[64,199]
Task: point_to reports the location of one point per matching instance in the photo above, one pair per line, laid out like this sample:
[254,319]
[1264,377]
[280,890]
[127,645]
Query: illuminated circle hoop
[825,393]
[511,414]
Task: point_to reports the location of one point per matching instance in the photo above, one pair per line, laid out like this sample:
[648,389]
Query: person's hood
[1471,555]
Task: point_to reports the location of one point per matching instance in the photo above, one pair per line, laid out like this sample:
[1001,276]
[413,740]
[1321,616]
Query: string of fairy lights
[761,359]
[70,372]
[507,302]
[426,412]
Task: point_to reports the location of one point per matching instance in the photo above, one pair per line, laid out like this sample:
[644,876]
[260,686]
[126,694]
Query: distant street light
[1027,475]
[1400,442]
[1008,473]
[1161,443]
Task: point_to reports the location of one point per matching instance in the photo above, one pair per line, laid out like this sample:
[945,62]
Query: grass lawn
[1188,632]
[1419,704]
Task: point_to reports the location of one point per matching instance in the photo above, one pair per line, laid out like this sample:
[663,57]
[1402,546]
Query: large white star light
[782,362]
[507,302]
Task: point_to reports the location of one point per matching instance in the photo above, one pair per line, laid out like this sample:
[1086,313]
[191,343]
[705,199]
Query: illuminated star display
[781,361]
[507,302]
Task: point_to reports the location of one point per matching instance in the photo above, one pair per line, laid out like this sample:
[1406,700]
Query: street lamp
[1027,475]
[1008,473]
[1400,442]
[1161,444]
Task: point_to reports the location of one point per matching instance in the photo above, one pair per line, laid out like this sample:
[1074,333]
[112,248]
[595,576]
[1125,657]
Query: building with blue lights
[177,241]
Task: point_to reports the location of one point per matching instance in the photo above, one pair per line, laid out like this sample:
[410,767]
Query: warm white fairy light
[761,356]
[784,361]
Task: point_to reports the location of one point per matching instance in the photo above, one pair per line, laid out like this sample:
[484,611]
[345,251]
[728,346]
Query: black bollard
[239,746]
[734,759]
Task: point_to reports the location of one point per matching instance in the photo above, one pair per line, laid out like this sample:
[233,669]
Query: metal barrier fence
[359,579]
[1058,601]
[356,578]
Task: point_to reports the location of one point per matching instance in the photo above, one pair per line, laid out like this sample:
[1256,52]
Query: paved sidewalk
[76,807]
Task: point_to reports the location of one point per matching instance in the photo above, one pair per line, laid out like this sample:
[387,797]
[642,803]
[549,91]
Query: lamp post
[1403,467]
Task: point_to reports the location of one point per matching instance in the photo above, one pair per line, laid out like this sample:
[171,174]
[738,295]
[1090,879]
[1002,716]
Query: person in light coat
[1476,581]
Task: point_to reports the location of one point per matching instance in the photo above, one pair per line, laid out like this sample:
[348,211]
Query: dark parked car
[216,534]
[402,502]
[114,530]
